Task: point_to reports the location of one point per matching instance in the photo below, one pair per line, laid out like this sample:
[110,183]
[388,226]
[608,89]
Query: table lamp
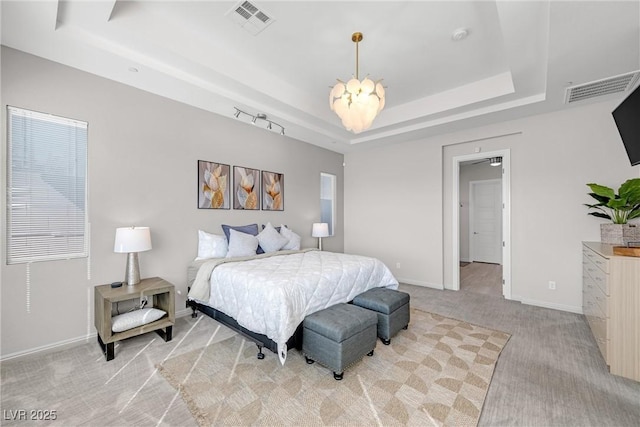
[131,240]
[320,230]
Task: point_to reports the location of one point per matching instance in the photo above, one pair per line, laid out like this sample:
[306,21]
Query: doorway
[485,221]
[481,234]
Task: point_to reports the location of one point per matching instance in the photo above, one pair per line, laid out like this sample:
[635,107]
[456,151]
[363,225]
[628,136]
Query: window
[328,200]
[46,187]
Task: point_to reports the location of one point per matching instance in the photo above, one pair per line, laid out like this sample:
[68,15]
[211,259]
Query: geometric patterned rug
[437,372]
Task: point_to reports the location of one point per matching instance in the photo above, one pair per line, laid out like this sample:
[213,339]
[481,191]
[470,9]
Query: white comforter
[271,295]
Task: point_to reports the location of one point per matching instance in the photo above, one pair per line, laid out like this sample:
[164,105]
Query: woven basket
[619,234]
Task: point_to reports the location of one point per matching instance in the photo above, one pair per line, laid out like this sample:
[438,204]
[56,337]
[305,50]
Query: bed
[265,297]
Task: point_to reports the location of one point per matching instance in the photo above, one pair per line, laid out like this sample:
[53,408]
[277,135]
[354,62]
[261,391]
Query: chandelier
[357,102]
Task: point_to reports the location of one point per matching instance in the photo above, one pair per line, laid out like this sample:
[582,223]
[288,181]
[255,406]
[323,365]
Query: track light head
[261,116]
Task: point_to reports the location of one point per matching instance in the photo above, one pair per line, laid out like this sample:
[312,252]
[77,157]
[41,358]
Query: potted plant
[619,209]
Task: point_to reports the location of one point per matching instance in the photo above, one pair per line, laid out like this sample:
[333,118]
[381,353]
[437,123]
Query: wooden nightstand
[105,296]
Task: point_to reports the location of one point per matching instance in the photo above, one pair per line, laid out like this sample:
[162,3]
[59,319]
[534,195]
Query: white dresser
[611,304]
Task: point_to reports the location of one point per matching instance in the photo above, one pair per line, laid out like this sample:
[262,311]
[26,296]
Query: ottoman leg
[370,353]
[337,376]
[385,341]
[309,361]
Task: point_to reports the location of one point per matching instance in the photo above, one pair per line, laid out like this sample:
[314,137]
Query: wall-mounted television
[627,118]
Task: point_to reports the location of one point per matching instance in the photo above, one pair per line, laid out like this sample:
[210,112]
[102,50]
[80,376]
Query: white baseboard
[545,304]
[419,283]
[72,341]
[55,345]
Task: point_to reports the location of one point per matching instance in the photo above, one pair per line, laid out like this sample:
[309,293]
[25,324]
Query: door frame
[506,216]
[471,210]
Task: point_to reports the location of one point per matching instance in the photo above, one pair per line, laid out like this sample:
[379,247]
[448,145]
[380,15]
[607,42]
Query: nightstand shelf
[155,288]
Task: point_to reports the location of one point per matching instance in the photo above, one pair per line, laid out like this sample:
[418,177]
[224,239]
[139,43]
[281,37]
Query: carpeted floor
[435,373]
[550,373]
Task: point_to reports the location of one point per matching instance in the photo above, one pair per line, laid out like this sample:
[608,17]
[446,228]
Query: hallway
[481,278]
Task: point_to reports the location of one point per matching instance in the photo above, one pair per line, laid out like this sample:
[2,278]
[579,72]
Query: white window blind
[46,187]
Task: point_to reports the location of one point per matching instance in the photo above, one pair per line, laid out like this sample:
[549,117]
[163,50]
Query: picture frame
[213,185]
[246,188]
[272,191]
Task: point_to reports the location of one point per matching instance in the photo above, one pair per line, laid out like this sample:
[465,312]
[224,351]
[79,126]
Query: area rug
[437,372]
[464,263]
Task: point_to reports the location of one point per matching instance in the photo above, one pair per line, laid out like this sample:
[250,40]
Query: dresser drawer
[603,346]
[598,260]
[601,301]
[598,275]
[593,303]
[599,327]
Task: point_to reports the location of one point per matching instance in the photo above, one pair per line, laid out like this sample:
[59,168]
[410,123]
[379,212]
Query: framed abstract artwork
[272,191]
[213,185]
[246,188]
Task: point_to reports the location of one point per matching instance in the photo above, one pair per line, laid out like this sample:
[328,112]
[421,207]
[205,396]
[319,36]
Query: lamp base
[132,273]
[320,243]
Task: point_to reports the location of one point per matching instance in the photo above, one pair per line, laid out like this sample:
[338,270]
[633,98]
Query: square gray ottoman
[339,336]
[392,308]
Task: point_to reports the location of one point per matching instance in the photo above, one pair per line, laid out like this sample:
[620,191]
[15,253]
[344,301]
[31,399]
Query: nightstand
[162,293]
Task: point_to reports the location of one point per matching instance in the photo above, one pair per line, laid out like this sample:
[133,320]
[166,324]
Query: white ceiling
[517,60]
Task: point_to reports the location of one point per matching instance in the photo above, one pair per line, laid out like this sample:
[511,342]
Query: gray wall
[553,156]
[143,153]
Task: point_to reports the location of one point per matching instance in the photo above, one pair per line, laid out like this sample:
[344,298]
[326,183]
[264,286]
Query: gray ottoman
[392,308]
[339,336]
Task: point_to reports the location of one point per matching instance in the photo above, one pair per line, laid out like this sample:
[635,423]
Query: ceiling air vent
[250,17]
[616,84]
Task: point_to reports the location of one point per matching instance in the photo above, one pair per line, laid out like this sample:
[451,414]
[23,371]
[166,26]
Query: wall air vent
[250,17]
[616,84]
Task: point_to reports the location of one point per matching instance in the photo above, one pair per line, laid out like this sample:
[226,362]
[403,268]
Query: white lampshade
[132,239]
[320,229]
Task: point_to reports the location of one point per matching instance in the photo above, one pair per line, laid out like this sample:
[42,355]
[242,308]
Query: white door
[485,221]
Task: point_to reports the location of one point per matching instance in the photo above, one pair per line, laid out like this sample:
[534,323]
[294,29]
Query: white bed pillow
[294,239]
[270,240]
[211,245]
[133,319]
[241,244]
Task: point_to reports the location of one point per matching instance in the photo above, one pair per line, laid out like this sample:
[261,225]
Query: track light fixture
[259,116]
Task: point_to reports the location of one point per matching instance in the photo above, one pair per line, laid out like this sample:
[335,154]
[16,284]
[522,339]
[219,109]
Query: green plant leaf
[600,215]
[631,191]
[618,204]
[603,200]
[601,190]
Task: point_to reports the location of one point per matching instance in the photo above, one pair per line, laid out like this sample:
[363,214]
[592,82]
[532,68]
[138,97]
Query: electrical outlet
[552,285]
[397,265]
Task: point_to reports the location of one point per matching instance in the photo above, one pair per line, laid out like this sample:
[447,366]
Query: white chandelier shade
[356,102]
